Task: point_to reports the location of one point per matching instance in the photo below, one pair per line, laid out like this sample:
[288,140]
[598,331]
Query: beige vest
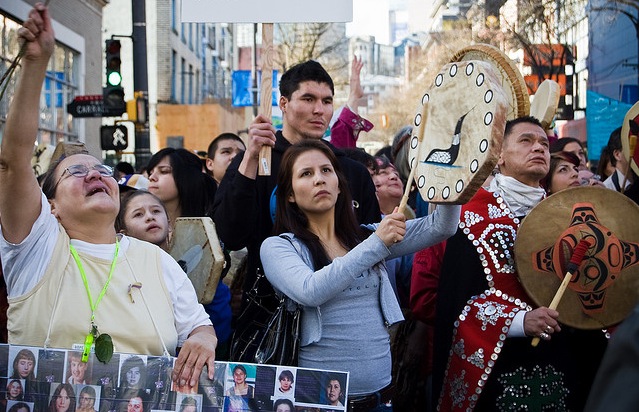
[59,302]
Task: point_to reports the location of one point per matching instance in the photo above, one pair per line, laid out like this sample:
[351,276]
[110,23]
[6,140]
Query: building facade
[75,69]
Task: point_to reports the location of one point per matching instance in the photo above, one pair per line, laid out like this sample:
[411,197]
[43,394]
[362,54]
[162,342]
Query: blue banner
[604,116]
[243,88]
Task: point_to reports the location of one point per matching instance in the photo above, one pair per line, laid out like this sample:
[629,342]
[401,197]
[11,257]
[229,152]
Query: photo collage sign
[35,379]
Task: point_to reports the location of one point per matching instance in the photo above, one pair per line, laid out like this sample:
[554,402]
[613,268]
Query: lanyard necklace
[103,342]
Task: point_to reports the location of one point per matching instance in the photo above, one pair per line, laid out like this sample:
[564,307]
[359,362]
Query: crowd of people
[421,306]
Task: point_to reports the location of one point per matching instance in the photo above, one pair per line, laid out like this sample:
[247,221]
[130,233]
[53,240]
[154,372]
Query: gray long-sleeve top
[348,304]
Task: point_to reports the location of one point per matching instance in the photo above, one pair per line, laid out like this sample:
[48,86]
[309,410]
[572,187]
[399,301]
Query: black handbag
[269,332]
[281,341]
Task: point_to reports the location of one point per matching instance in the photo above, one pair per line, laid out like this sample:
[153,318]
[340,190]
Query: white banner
[260,11]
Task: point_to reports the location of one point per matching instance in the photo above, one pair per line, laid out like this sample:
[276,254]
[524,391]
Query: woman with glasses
[71,280]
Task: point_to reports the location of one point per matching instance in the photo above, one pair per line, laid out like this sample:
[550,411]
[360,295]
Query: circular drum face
[605,287]
[464,115]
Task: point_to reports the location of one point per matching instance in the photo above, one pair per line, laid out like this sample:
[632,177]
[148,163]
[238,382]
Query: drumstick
[411,176]
[573,265]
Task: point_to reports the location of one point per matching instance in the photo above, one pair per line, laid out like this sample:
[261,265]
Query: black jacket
[242,206]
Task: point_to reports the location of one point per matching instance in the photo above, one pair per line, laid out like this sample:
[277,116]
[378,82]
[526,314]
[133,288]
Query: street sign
[86,106]
[114,137]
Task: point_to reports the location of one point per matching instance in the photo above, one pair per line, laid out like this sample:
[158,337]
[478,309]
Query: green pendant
[88,342]
[104,347]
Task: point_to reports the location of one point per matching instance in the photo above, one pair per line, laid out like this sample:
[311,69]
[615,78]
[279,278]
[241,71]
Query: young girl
[143,215]
[335,268]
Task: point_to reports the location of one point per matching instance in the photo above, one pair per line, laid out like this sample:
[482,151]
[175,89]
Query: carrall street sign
[261,11]
[86,106]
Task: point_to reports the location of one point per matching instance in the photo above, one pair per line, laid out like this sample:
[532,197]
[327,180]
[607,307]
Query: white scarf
[519,197]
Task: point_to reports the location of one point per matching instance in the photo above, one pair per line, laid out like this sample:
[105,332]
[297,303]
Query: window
[174,17]
[60,87]
[190,74]
[182,82]
[173,75]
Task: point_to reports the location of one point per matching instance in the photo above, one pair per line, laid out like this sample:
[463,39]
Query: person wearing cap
[60,248]
[133,182]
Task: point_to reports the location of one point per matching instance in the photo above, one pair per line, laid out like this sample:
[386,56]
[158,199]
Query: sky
[370,18]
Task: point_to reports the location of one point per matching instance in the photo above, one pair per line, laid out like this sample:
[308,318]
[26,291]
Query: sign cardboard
[273,11]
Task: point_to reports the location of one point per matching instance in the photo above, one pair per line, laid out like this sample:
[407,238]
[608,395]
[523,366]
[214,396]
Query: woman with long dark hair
[176,177]
[335,268]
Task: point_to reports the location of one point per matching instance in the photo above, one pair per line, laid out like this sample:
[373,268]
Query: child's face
[146,219]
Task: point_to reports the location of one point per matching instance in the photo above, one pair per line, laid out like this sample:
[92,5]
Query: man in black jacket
[244,204]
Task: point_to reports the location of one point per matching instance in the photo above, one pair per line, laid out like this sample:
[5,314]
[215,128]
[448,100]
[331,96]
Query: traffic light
[113,93]
[138,109]
[113,63]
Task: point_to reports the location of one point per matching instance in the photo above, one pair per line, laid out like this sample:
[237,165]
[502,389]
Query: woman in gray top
[335,268]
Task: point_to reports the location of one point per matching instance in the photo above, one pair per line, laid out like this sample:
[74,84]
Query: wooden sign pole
[266,93]
[255,11]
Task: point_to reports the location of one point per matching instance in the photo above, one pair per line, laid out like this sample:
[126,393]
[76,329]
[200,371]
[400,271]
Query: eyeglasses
[83,170]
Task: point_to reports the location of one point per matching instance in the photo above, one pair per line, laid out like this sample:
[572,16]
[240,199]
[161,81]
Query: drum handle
[411,176]
[577,256]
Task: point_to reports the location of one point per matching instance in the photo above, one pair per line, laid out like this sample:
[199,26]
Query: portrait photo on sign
[321,388]
[106,376]
[62,397]
[285,384]
[240,380]
[23,362]
[88,398]
[78,372]
[132,372]
[188,403]
[19,406]
[212,390]
[51,364]
[12,389]
[185,388]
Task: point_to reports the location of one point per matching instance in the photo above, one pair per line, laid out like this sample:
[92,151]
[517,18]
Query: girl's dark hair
[130,363]
[283,401]
[289,218]
[560,144]
[286,374]
[19,405]
[555,158]
[240,368]
[125,199]
[196,190]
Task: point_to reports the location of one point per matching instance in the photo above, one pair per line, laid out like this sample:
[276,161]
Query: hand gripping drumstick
[573,265]
[411,176]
